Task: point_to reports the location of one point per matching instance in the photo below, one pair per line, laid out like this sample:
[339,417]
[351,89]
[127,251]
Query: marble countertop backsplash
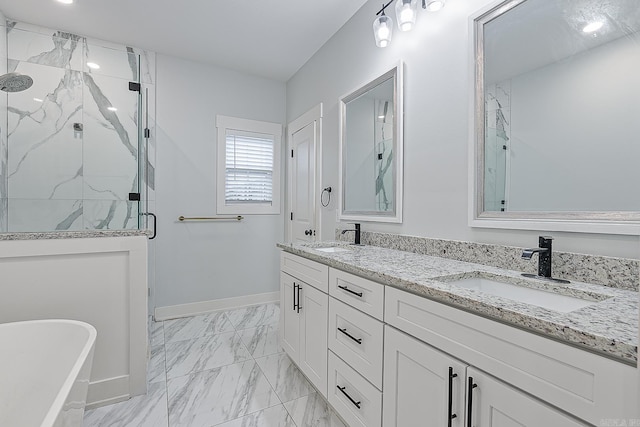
[609,326]
[83,234]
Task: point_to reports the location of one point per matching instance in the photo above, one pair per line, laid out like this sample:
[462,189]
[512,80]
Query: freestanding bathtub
[44,372]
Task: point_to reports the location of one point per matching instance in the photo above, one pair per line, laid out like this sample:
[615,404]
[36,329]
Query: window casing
[248,166]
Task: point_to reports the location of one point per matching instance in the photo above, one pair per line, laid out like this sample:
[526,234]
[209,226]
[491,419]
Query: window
[248,166]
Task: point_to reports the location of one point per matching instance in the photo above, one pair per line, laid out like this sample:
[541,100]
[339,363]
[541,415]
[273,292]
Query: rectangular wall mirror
[371,150]
[557,105]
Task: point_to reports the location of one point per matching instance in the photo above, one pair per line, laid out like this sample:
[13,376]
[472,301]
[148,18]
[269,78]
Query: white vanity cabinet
[581,383]
[304,314]
[422,383]
[386,357]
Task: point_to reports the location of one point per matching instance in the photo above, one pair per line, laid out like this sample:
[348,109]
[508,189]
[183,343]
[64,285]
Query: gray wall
[437,88]
[209,260]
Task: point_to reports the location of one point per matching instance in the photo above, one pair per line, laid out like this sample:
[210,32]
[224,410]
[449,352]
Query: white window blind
[249,167]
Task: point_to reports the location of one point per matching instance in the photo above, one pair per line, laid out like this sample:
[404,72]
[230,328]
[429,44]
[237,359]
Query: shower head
[14,82]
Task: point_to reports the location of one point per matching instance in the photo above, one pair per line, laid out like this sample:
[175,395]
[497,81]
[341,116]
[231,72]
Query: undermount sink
[541,298]
[333,249]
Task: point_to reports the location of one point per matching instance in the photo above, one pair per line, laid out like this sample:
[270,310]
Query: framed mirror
[371,150]
[556,136]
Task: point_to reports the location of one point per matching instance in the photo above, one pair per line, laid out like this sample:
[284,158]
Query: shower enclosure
[76,150]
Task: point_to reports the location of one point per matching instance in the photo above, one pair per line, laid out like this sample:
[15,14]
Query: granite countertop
[609,326]
[81,234]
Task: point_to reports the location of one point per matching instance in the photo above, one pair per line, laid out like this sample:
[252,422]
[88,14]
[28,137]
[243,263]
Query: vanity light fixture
[433,5]
[592,27]
[93,65]
[383,27]
[406,11]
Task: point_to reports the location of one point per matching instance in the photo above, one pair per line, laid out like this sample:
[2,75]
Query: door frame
[315,114]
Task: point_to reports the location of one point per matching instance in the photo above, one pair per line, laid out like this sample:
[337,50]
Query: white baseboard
[191,309]
[107,392]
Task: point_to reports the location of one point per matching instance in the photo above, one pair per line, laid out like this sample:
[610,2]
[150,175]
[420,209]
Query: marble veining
[276,416]
[262,340]
[313,410]
[250,317]
[71,156]
[196,326]
[609,326]
[285,377]
[607,271]
[241,394]
[208,398]
[149,410]
[204,353]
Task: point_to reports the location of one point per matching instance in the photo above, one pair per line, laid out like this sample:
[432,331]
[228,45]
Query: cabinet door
[314,312]
[289,316]
[417,388]
[495,404]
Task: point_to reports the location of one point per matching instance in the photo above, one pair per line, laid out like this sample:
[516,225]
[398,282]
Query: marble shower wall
[497,141]
[73,137]
[3,129]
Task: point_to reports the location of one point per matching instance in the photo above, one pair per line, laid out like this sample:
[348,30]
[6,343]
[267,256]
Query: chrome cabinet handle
[344,331]
[470,401]
[450,406]
[344,288]
[356,404]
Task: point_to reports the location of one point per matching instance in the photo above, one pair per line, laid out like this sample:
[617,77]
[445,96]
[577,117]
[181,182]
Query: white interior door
[303,148]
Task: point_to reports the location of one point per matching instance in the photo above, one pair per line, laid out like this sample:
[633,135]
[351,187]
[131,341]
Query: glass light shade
[382,29]
[435,5]
[406,11]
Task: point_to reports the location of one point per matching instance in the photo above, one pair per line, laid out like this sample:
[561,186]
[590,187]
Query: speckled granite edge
[609,327]
[618,273]
[73,234]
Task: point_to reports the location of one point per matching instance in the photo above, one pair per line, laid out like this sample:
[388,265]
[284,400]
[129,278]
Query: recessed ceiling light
[112,109]
[93,65]
[592,26]
[65,1]
[38,100]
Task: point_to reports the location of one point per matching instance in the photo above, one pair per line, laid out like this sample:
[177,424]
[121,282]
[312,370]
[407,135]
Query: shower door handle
[155,221]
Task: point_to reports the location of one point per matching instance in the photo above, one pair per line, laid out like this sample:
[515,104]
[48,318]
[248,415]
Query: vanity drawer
[353,397]
[357,339]
[311,272]
[363,294]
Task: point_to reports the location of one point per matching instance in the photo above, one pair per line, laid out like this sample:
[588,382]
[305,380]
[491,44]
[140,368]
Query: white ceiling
[269,38]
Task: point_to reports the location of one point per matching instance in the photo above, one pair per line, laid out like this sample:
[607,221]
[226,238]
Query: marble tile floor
[220,369]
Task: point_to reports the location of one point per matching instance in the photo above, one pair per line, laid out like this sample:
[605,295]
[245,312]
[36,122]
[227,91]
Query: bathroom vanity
[394,338]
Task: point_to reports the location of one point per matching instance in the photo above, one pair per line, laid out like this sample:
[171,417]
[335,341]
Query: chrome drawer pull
[344,331]
[344,288]
[357,404]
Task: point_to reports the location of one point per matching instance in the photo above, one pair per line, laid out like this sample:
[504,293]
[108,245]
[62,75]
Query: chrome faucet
[544,252]
[357,232]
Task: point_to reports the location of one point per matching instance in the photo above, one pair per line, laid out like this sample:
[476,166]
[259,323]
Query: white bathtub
[44,372]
